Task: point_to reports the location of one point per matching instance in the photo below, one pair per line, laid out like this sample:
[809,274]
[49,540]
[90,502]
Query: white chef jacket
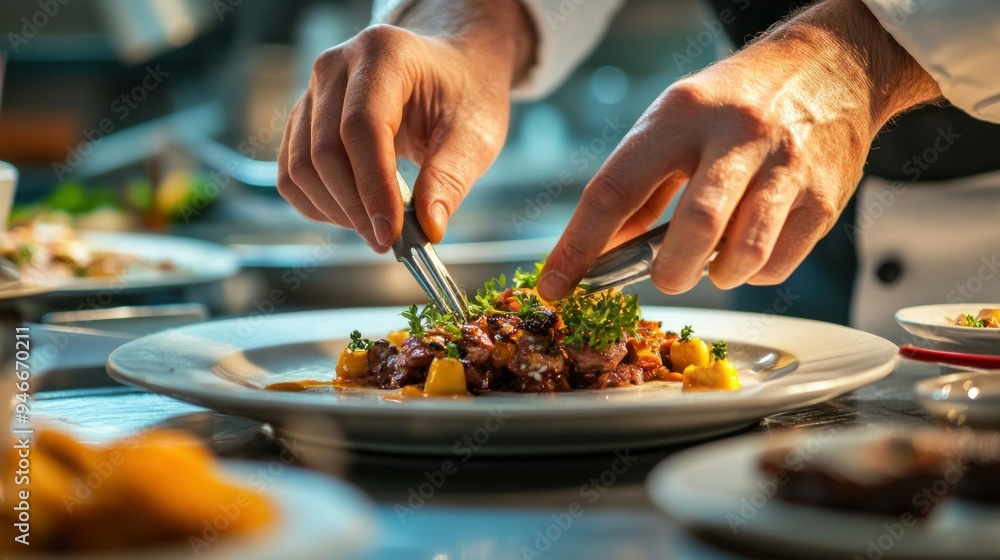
[942,236]
[567,31]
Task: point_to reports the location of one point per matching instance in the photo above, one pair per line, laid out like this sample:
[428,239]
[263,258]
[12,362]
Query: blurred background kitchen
[166,116]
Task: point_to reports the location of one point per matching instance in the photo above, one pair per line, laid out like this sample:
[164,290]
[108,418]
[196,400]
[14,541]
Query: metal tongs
[627,263]
[416,252]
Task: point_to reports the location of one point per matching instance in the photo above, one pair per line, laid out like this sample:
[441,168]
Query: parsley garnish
[599,320]
[529,307]
[524,279]
[970,321]
[487,296]
[686,333]
[720,350]
[415,320]
[358,343]
[452,350]
[430,317]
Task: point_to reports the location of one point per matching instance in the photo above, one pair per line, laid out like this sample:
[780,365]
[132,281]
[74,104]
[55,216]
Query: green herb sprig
[720,350]
[970,321]
[428,318]
[528,279]
[434,317]
[686,333]
[487,296]
[415,321]
[530,305]
[357,343]
[453,351]
[599,320]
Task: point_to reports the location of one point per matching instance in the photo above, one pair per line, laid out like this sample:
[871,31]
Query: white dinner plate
[784,363]
[963,399]
[195,262]
[718,488]
[319,518]
[935,326]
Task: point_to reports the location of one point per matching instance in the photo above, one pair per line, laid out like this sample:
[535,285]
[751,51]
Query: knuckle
[607,193]
[574,253]
[754,120]
[321,148]
[753,250]
[327,61]
[707,214]
[770,276]
[822,209]
[688,94]
[358,125]
[448,182]
[299,169]
[286,186]
[790,152]
[378,36]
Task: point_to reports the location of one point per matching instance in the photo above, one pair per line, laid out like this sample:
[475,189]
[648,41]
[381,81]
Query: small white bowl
[934,327]
[971,398]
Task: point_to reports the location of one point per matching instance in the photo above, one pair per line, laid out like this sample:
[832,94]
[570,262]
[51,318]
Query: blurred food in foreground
[150,489]
[55,251]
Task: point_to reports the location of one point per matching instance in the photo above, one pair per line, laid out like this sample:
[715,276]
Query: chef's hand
[771,143]
[436,91]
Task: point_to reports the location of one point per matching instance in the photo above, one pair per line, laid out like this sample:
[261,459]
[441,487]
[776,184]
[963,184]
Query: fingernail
[439,215]
[553,285]
[383,229]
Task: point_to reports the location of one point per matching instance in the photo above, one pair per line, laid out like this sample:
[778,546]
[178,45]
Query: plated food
[985,319]
[515,341]
[914,494]
[54,251]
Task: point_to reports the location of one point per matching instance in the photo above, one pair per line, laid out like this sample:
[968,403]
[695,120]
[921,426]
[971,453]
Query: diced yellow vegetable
[988,314]
[352,364]
[445,377]
[396,338]
[720,375]
[691,352]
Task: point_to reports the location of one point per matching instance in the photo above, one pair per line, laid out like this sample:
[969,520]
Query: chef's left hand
[771,143]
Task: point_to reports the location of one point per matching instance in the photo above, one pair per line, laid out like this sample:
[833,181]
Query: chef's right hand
[438,93]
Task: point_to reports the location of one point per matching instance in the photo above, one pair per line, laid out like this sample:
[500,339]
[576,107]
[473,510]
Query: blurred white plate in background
[934,327]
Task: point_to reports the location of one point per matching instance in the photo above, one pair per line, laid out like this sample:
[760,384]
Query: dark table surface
[492,507]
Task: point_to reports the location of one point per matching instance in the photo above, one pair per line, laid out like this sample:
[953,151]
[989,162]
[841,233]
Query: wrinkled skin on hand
[770,142]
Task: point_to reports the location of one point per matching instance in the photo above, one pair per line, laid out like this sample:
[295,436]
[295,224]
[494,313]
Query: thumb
[446,175]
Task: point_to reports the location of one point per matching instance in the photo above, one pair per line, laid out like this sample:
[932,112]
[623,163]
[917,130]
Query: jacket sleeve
[567,33]
[956,42]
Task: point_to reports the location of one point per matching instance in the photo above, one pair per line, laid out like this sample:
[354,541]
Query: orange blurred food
[153,488]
